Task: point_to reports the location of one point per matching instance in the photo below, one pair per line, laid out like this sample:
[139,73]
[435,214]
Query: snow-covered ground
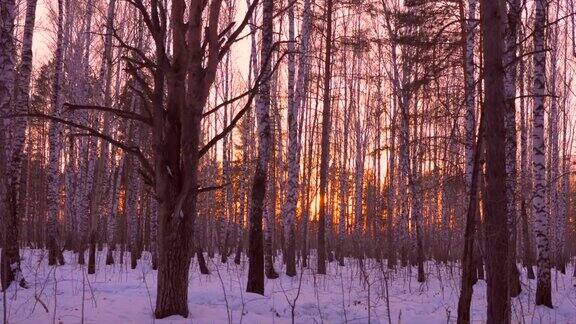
[117,294]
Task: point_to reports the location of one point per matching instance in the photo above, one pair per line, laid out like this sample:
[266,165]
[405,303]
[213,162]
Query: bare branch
[132,149]
[117,112]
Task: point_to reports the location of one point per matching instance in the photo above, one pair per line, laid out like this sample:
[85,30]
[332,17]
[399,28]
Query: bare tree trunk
[295,102]
[343,194]
[554,177]
[390,195]
[105,80]
[111,229]
[10,268]
[270,209]
[54,138]
[542,224]
[511,145]
[497,235]
[359,169]
[468,267]
[256,251]
[154,230]
[528,257]
[325,142]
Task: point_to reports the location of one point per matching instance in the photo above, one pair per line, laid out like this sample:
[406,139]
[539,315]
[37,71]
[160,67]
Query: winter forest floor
[117,294]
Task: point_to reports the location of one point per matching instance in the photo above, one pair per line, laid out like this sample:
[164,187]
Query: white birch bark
[295,101]
[541,220]
[21,95]
[55,142]
[255,271]
[11,143]
[470,94]
[87,145]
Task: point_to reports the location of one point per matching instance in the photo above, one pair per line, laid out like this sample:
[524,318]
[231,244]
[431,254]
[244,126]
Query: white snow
[117,294]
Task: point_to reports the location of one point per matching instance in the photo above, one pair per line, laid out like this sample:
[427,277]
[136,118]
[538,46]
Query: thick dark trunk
[515,287]
[174,260]
[201,261]
[92,255]
[10,267]
[81,259]
[52,250]
[255,282]
[238,256]
[110,255]
[496,223]
[10,258]
[291,252]
[256,249]
[172,298]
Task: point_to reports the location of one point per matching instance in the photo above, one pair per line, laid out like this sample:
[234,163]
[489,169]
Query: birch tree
[325,141]
[539,206]
[296,97]
[256,250]
[511,38]
[18,104]
[55,142]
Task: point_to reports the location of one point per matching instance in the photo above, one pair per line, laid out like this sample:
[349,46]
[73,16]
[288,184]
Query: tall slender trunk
[343,194]
[359,172]
[10,266]
[270,200]
[390,195]
[111,229]
[540,209]
[325,141]
[511,148]
[105,80]
[564,181]
[470,90]
[526,183]
[88,145]
[553,168]
[468,268]
[55,142]
[296,97]
[256,251]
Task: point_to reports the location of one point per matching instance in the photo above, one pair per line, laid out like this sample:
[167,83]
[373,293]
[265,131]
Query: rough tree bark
[542,224]
[325,141]
[296,97]
[55,142]
[256,250]
[468,268]
[10,268]
[513,23]
[496,230]
[105,83]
